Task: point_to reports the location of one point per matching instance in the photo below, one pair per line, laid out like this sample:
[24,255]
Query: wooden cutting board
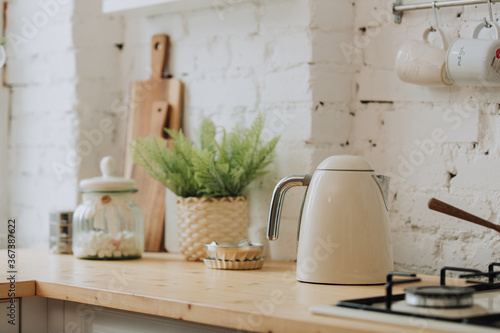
[156,103]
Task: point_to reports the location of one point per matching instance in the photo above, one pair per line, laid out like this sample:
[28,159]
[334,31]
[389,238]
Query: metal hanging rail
[399,7]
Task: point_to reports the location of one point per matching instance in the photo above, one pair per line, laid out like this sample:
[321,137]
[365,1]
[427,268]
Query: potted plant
[209,179]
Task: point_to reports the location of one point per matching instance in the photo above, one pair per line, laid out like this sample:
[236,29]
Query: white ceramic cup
[420,62]
[475,62]
[3,56]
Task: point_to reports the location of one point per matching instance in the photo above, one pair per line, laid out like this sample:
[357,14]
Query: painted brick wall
[331,65]
[101,122]
[41,73]
[434,142]
[250,57]
[323,73]
[61,73]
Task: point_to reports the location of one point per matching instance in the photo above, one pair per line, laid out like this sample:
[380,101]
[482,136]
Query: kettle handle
[277,201]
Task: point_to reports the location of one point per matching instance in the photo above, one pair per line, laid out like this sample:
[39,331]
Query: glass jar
[108,224]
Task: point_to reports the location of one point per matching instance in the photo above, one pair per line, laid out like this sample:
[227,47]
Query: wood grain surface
[156,104]
[163,284]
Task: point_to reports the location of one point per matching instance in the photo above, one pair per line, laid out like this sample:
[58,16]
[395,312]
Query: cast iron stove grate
[486,283]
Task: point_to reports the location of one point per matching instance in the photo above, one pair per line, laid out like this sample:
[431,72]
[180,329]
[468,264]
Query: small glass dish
[242,251]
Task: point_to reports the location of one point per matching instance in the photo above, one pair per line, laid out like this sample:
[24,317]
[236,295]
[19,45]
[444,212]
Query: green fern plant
[220,165]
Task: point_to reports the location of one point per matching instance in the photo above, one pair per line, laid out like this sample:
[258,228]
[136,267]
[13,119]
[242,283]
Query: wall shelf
[149,7]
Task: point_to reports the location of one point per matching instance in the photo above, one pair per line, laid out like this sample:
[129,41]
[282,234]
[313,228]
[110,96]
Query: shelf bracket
[398,16]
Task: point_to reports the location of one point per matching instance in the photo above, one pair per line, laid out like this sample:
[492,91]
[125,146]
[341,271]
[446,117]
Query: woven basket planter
[203,220]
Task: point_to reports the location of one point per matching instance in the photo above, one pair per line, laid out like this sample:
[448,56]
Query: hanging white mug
[420,62]
[3,56]
[475,62]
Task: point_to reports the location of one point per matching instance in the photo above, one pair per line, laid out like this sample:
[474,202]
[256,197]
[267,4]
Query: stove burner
[443,302]
[439,297]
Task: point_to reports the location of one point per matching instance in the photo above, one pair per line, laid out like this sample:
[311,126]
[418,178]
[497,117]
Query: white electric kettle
[344,235]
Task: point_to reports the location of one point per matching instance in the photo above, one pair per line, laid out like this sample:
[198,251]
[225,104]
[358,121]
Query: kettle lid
[345,163]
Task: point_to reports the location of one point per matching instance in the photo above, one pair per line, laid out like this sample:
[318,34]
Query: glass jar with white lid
[108,224]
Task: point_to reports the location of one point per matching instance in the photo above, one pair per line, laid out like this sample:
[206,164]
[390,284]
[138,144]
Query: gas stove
[474,307]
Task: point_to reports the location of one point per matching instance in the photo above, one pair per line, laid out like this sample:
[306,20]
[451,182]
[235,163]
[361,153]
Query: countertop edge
[20,289]
[199,313]
[246,295]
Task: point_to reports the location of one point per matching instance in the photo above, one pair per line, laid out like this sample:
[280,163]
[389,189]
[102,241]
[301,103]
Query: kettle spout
[383,185]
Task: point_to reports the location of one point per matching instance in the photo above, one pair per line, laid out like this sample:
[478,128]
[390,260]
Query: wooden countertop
[265,300]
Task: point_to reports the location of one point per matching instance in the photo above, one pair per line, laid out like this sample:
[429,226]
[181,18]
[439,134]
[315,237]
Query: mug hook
[434,9]
[487,24]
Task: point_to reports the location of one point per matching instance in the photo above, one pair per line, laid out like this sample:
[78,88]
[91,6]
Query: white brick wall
[422,136]
[64,77]
[252,57]
[41,74]
[323,73]
[98,87]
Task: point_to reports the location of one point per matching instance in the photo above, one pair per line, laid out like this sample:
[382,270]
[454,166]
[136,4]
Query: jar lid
[108,182]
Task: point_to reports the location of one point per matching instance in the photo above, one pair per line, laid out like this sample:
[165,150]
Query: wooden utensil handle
[159,55]
[448,209]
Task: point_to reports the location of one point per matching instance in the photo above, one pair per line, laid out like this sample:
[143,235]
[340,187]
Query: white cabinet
[28,313]
[104,320]
[42,315]
[34,315]
[10,315]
